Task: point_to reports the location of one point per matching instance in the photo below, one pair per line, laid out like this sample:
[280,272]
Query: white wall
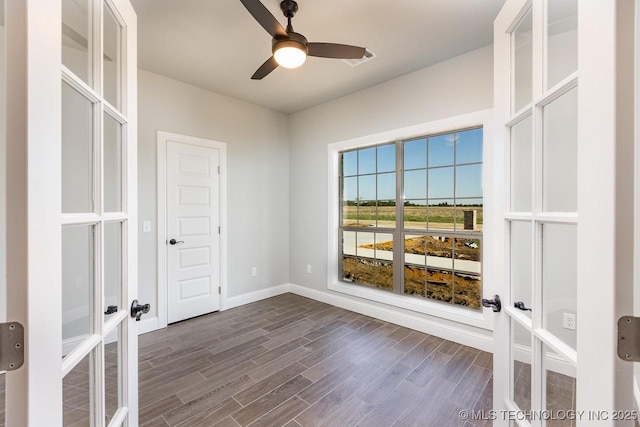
[461,85]
[257,176]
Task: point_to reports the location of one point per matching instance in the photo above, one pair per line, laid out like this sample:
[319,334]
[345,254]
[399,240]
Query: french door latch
[494,303]
[11,346]
[629,338]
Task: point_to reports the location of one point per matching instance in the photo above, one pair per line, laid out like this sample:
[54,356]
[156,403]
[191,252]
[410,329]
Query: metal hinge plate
[629,338]
[11,346]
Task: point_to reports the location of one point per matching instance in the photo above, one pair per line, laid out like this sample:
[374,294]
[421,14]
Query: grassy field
[414,216]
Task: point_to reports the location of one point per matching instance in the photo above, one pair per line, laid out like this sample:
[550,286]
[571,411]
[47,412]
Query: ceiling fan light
[289,55]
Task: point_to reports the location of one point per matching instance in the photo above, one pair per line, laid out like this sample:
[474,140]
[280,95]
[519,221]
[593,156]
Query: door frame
[162,139]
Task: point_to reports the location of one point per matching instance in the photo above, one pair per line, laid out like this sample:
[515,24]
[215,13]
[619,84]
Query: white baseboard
[469,338]
[237,301]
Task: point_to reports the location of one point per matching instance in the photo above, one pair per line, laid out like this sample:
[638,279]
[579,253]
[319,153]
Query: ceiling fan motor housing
[289,8]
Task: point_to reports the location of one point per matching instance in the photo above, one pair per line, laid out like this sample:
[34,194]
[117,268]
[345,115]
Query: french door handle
[137,310]
[175,242]
[494,303]
[520,305]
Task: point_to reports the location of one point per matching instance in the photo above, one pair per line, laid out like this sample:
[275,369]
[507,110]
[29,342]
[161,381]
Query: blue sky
[423,158]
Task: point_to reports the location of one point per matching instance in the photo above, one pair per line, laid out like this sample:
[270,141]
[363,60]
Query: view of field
[439,217]
[443,285]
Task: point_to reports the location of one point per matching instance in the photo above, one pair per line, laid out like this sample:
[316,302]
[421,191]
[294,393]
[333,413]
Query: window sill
[457,314]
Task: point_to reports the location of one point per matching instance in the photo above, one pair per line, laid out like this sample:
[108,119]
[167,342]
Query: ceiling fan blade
[264,18]
[265,69]
[333,50]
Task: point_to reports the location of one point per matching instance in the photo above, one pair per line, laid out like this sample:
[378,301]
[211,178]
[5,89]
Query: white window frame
[480,319]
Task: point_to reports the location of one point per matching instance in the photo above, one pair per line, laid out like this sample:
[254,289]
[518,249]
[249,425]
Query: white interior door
[72,211]
[562,272]
[193,229]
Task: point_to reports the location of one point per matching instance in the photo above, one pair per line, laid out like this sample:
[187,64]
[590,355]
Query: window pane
[562,40]
[112,265]
[522,63]
[350,163]
[415,273]
[467,289]
[77,152]
[559,279]
[78,393]
[441,150]
[349,242]
[440,183]
[384,261]
[521,158]
[521,264]
[415,184]
[387,158]
[469,214]
[367,187]
[415,214]
[441,214]
[112,165]
[77,284]
[111,59]
[439,285]
[469,181]
[77,42]
[469,146]
[350,189]
[384,246]
[415,154]
[387,186]
[387,213]
[367,161]
[560,150]
[439,266]
[365,244]
[349,267]
[467,259]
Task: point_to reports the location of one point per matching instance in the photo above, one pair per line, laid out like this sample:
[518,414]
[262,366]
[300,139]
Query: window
[411,217]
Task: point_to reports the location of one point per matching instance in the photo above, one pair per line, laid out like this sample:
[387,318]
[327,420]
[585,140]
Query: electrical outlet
[569,321]
[254,271]
[308,268]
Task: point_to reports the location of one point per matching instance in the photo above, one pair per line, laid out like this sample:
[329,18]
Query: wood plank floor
[291,361]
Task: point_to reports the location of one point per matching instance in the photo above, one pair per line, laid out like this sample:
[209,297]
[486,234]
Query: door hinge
[220,290]
[629,338]
[11,346]
[218,170]
[218,229]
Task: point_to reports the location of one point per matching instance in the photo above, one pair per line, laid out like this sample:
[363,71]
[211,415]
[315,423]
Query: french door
[556,79]
[72,211]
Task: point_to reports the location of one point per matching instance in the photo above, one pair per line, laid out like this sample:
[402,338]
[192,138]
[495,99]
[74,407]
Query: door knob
[138,310]
[175,242]
[494,303]
[520,306]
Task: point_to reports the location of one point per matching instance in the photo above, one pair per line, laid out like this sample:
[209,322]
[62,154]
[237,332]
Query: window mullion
[398,243]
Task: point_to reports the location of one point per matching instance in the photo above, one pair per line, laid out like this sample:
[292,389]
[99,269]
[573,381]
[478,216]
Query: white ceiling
[217,45]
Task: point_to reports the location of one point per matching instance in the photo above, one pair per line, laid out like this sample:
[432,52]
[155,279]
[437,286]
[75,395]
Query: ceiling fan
[290,49]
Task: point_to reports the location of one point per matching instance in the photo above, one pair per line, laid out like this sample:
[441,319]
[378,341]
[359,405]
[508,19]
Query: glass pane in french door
[560,154]
[78,283]
[559,281]
[112,269]
[77,38]
[562,40]
[112,164]
[559,388]
[113,373]
[521,265]
[521,165]
[77,151]
[79,393]
[521,356]
[521,84]
[111,59]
